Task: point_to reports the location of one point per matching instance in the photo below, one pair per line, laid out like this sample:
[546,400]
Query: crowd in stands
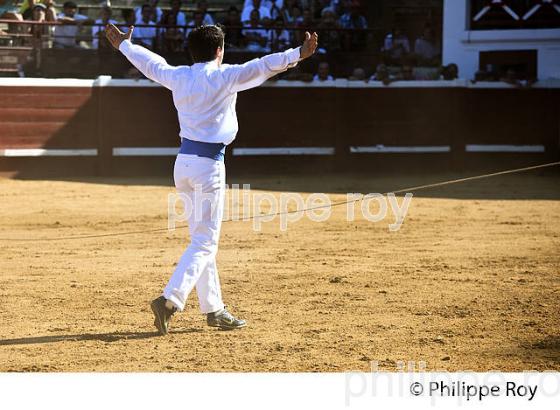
[260,26]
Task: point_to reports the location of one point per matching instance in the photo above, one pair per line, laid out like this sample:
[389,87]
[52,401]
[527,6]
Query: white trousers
[202,183]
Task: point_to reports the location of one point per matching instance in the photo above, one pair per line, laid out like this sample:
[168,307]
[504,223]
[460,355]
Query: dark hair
[204,41]
[145,6]
[233,8]
[69,5]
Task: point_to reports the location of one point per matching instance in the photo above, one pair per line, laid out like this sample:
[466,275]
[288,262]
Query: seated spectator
[450,72]
[278,37]
[353,19]
[40,33]
[275,7]
[128,16]
[207,18]
[291,12]
[264,12]
[427,49]
[406,73]
[396,46]
[198,20]
[234,38]
[26,8]
[65,34]
[145,36]
[180,16]
[323,73]
[98,30]
[9,11]
[382,74]
[172,38]
[329,37]
[304,24]
[321,5]
[359,74]
[255,34]
[156,15]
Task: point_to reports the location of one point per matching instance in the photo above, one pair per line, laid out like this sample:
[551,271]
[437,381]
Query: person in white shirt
[396,45]
[65,34]
[145,35]
[156,12]
[98,29]
[208,19]
[204,95]
[255,34]
[198,20]
[278,38]
[264,12]
[181,15]
[323,73]
[426,48]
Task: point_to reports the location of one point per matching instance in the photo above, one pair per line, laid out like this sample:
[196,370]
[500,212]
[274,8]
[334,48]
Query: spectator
[175,9]
[291,11]
[359,74]
[156,15]
[255,33]
[353,19]
[321,5]
[278,38]
[323,73]
[26,8]
[129,17]
[329,37]
[396,46]
[407,73]
[98,30]
[145,36]
[303,25]
[40,33]
[275,7]
[264,12]
[65,34]
[233,33]
[197,22]
[172,37]
[207,18]
[382,74]
[450,72]
[9,11]
[426,48]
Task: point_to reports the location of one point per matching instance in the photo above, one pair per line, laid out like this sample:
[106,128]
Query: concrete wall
[462,46]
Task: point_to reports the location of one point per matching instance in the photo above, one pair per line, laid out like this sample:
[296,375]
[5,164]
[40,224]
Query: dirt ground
[470,282]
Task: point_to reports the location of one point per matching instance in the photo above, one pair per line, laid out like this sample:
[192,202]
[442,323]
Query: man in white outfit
[204,95]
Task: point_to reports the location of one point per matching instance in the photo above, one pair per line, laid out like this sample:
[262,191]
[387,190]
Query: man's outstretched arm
[150,64]
[255,72]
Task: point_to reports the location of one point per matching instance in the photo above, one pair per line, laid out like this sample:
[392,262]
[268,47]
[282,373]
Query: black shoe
[224,320]
[162,315]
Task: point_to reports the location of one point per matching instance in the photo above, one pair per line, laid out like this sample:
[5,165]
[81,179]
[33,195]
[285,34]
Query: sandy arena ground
[470,282]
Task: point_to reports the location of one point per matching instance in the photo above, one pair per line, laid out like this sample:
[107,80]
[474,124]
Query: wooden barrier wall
[103,127]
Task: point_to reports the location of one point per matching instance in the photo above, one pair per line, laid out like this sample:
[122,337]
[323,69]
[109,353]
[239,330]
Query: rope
[354,200]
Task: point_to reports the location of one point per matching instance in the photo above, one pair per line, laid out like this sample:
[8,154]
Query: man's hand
[309,45]
[115,36]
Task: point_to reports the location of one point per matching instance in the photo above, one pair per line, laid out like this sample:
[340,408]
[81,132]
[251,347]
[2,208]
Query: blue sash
[215,151]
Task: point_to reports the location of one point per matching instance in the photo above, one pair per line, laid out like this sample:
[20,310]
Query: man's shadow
[104,337]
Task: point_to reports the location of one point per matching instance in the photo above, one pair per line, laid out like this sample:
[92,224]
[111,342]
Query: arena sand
[470,282]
